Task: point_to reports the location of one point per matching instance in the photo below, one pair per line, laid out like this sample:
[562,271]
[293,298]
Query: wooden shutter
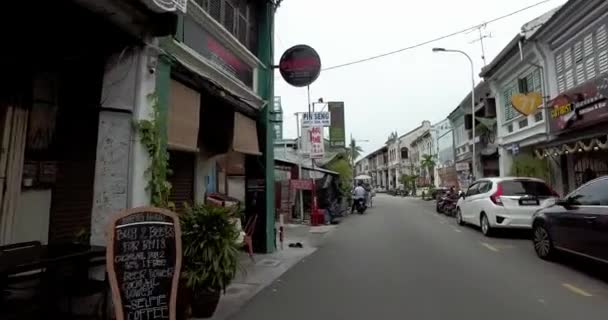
[181,179]
[183,119]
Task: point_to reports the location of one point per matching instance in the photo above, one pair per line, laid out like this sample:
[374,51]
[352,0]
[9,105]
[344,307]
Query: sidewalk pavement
[267,268]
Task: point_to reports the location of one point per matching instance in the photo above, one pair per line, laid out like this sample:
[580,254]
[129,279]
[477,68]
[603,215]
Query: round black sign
[300,65]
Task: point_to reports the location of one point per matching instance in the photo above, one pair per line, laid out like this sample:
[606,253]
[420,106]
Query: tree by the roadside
[345,171]
[409,182]
[428,163]
[353,151]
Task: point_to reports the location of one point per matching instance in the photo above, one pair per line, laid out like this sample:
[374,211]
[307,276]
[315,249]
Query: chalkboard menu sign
[143,262]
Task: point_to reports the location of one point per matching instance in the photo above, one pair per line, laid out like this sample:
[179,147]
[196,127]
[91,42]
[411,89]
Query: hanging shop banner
[312,142]
[143,260]
[528,103]
[300,65]
[337,135]
[580,107]
[316,119]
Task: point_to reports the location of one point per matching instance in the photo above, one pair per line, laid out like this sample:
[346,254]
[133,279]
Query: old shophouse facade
[199,72]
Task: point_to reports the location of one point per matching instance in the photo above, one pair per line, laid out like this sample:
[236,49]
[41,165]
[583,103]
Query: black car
[576,224]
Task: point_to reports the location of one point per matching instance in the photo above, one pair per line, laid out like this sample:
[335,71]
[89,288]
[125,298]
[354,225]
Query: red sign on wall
[301,184]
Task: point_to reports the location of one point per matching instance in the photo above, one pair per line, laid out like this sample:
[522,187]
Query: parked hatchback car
[577,224]
[494,203]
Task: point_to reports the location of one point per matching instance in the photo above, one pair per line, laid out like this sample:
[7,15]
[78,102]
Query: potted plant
[210,256]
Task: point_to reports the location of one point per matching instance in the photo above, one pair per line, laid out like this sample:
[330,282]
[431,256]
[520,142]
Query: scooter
[360,205]
[449,205]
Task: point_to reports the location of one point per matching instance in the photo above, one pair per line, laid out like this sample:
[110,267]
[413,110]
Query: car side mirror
[462,195]
[565,202]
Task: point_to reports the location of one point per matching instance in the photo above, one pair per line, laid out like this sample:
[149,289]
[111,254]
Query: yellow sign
[559,111]
[527,104]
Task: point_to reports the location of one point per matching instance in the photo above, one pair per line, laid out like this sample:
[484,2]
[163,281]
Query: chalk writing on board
[144,264]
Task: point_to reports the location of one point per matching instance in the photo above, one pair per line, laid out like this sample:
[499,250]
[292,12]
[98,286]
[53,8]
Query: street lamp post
[473,161]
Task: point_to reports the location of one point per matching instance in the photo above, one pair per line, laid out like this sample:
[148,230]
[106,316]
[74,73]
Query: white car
[493,203]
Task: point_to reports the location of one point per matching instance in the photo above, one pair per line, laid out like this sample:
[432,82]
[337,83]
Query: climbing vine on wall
[153,140]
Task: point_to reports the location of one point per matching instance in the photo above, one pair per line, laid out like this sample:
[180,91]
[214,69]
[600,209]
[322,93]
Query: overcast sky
[400,91]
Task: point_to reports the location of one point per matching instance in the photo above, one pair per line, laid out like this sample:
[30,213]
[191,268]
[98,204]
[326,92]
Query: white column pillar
[121,159]
[505,161]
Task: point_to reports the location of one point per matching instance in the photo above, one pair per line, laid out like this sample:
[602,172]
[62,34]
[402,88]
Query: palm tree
[428,162]
[353,150]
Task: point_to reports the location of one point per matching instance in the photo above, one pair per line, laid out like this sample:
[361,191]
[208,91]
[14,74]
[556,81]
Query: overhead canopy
[245,136]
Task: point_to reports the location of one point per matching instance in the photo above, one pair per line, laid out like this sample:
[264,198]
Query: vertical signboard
[337,136]
[143,262]
[312,142]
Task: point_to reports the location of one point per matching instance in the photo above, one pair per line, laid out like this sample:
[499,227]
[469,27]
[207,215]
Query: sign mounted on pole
[317,148]
[300,65]
[312,142]
[337,135]
[316,119]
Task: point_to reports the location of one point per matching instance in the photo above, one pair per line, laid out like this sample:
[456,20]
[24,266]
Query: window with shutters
[236,16]
[538,117]
[508,109]
[584,59]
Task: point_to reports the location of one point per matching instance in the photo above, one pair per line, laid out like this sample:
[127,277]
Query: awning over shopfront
[245,136]
[183,122]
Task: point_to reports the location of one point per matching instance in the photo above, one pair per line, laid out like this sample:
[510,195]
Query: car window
[525,187]
[472,190]
[485,186]
[593,194]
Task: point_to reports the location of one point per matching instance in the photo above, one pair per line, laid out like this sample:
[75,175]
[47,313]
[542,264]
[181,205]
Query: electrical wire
[435,39]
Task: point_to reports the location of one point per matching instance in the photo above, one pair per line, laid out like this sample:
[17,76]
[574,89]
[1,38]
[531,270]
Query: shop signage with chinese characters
[580,107]
[317,149]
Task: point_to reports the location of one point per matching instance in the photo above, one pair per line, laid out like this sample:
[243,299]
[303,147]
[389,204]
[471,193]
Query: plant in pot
[210,256]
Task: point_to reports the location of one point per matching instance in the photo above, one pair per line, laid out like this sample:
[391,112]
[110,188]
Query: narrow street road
[401,260]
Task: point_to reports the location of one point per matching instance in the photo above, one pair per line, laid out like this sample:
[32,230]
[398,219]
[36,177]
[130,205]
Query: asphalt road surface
[401,260]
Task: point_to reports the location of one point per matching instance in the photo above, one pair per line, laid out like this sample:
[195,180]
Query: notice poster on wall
[143,262]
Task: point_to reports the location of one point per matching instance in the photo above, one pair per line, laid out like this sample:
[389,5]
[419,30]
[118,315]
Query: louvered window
[584,60]
[510,112]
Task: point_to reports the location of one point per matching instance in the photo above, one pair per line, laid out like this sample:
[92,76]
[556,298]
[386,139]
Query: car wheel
[459,217]
[543,244]
[486,229]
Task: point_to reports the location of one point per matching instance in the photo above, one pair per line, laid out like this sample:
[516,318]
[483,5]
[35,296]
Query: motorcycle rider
[358,193]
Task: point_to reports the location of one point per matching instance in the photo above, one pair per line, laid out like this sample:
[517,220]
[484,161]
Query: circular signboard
[300,65]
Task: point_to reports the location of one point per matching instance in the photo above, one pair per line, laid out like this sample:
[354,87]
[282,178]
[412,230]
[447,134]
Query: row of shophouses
[77,75]
[544,96]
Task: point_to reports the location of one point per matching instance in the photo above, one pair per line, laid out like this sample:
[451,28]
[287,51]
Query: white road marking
[489,247]
[457,230]
[577,290]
